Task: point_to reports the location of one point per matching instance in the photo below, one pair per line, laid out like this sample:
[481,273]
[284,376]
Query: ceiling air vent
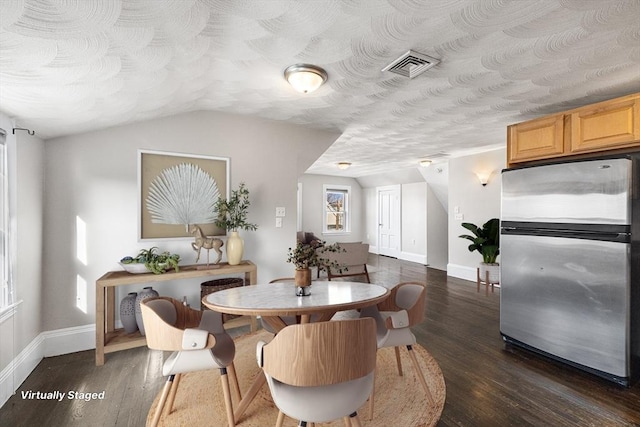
[411,64]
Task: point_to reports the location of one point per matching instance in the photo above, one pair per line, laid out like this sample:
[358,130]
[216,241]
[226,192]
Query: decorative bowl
[135,267]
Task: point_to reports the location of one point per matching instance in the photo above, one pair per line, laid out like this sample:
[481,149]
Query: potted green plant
[305,256]
[486,240]
[232,216]
[151,260]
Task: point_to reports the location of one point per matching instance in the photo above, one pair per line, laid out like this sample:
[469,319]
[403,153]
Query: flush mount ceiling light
[344,165]
[425,163]
[305,78]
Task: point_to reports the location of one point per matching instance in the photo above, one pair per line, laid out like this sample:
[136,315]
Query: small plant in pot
[232,216]
[486,240]
[305,256]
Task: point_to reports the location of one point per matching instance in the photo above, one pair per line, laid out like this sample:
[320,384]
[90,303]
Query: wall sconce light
[484,177]
[344,165]
[425,163]
[305,78]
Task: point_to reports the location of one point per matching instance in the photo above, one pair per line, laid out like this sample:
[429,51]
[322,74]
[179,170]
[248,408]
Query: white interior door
[389,221]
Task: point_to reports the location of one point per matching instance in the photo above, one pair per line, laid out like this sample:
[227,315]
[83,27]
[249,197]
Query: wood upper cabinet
[605,126]
[536,139]
[610,124]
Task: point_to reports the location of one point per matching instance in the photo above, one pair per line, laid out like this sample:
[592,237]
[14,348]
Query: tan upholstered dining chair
[320,372]
[198,342]
[394,317]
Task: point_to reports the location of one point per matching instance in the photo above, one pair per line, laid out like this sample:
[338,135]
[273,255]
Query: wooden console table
[109,339]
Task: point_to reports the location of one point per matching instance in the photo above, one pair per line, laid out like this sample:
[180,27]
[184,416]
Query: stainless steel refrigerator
[569,264]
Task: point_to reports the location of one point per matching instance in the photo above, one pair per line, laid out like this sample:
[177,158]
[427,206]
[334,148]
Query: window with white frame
[7,294]
[336,209]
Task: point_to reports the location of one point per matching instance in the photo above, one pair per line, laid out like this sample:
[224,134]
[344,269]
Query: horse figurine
[204,242]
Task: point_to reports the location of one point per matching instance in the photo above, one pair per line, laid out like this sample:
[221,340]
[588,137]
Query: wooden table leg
[251,278]
[100,325]
[250,395]
[275,322]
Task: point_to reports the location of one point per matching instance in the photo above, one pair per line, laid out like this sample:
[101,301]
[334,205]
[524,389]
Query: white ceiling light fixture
[425,163]
[344,165]
[305,78]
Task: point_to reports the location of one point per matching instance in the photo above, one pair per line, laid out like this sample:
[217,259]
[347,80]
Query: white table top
[279,299]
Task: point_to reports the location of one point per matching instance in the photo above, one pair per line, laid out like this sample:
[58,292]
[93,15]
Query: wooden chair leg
[173,392]
[366,273]
[347,421]
[224,378]
[234,378]
[398,361]
[372,397]
[420,375]
[280,419]
[163,400]
[355,421]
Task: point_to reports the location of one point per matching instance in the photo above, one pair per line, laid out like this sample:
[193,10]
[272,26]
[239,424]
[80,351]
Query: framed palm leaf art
[176,190]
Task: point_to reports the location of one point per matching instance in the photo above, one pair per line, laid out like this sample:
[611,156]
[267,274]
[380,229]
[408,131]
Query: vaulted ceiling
[73,66]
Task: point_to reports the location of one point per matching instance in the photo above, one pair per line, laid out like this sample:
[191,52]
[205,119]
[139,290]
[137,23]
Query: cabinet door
[536,139]
[606,125]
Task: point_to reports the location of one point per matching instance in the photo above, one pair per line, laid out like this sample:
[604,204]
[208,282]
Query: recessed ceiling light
[344,165]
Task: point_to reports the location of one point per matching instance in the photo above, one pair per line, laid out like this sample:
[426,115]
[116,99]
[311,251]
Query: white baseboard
[69,340]
[462,272]
[46,344]
[408,256]
[19,369]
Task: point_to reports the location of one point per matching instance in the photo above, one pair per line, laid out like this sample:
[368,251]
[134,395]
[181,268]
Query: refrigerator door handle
[571,234]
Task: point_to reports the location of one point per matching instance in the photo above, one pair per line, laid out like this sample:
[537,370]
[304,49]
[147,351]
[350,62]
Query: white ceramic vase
[235,248]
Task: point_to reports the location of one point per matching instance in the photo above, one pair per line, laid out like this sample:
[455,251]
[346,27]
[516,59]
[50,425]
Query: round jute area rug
[399,400]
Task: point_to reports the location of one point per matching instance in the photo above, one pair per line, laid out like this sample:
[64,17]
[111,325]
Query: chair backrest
[356,254]
[410,296]
[165,319]
[322,353]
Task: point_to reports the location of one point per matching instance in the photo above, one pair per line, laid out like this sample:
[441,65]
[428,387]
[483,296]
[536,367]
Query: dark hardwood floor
[487,383]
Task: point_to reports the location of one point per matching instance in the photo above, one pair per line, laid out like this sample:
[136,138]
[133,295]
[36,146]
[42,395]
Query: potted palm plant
[232,216]
[486,240]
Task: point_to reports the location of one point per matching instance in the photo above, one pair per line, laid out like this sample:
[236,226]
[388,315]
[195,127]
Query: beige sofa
[354,259]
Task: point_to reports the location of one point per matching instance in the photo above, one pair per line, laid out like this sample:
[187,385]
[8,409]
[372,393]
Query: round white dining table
[273,300]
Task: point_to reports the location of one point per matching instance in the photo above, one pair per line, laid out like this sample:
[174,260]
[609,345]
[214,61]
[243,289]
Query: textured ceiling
[77,65]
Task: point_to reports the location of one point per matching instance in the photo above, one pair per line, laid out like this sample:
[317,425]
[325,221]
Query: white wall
[414,222]
[20,329]
[437,226]
[93,176]
[476,203]
[312,207]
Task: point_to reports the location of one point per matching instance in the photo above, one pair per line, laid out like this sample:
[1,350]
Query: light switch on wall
[278,222]
[280,211]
